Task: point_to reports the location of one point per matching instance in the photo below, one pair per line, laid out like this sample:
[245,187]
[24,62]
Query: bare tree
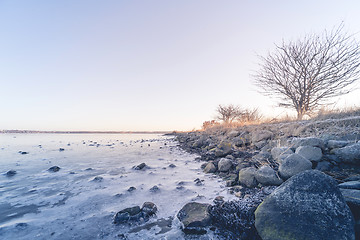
[228,113]
[250,115]
[306,73]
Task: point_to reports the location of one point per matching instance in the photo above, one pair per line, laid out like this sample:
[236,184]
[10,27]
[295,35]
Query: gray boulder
[261,135]
[238,141]
[224,164]
[210,168]
[323,166]
[307,206]
[349,154]
[293,165]
[267,176]
[310,153]
[331,144]
[352,198]
[247,177]
[277,152]
[309,141]
[350,185]
[233,134]
[195,217]
[223,149]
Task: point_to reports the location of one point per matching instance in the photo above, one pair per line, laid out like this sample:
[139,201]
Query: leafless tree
[228,113]
[250,115]
[304,74]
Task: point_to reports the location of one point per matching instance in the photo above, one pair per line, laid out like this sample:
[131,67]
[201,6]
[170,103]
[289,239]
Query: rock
[198,182]
[349,154]
[293,165]
[233,134]
[61,149]
[23,153]
[331,144]
[149,209]
[10,173]
[210,168]
[247,177]
[267,176]
[141,166]
[307,206]
[223,149]
[352,198]
[195,217]
[310,153]
[98,179]
[224,164]
[277,152]
[261,135]
[323,166]
[350,185]
[238,142]
[261,144]
[219,200]
[309,141]
[154,189]
[127,214]
[54,169]
[130,189]
[172,166]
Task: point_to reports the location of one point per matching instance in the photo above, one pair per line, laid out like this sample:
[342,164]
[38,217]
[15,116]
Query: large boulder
[336,144]
[195,217]
[267,176]
[247,177]
[349,154]
[309,141]
[293,165]
[310,153]
[224,164]
[133,214]
[307,206]
[350,185]
[352,198]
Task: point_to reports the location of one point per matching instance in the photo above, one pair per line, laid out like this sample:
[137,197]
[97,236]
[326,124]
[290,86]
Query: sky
[146,65]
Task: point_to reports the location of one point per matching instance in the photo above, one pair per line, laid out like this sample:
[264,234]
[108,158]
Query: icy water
[80,200]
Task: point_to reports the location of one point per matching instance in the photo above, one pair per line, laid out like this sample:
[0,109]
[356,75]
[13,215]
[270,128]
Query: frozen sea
[96,172]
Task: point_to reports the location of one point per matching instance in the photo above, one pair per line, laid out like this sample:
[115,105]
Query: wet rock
[293,165]
[54,169]
[223,149]
[10,173]
[247,177]
[130,189]
[219,200]
[210,168]
[172,165]
[224,164]
[154,189]
[261,135]
[277,152]
[307,206]
[331,144]
[195,217]
[350,185]
[349,154]
[23,153]
[309,141]
[141,166]
[149,209]
[127,214]
[267,176]
[310,153]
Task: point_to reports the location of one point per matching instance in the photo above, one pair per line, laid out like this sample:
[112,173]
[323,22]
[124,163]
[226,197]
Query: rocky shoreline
[293,180]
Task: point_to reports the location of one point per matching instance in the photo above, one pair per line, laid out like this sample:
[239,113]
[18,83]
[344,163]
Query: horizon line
[85,131]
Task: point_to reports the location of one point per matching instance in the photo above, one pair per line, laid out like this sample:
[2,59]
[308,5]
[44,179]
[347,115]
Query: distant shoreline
[87,132]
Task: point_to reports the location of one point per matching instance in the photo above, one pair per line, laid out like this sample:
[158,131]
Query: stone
[350,185]
[307,206]
[261,135]
[130,189]
[247,177]
[149,209]
[267,176]
[54,169]
[323,166]
[352,198]
[310,153]
[238,142]
[210,168]
[293,165]
[10,173]
[127,214]
[98,179]
[223,149]
[172,165]
[233,134]
[309,141]
[154,189]
[195,217]
[349,154]
[331,144]
[61,149]
[141,166]
[224,164]
[277,152]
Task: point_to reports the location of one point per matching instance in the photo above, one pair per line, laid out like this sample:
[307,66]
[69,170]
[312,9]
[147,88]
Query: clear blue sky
[144,65]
